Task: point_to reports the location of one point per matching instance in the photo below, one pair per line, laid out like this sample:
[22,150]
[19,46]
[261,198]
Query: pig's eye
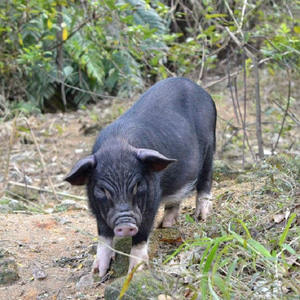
[107,194]
[135,189]
[103,192]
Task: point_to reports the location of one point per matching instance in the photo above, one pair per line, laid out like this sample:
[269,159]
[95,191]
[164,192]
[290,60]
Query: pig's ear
[155,160]
[80,172]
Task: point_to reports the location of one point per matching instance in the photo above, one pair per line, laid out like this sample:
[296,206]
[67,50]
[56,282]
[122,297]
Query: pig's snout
[125,223]
[127,229]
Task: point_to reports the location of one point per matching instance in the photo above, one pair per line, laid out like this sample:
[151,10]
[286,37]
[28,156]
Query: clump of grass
[236,266]
[241,251]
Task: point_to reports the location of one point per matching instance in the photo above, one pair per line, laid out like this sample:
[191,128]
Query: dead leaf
[278,218]
[172,241]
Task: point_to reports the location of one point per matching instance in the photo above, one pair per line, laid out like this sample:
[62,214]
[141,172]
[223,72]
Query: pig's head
[122,181]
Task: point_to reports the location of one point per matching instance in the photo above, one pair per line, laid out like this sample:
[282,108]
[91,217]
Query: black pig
[157,152]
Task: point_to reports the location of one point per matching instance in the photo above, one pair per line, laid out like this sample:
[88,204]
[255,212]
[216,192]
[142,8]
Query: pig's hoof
[168,222]
[101,267]
[203,210]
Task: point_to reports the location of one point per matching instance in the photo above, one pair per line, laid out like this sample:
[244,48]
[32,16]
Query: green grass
[241,252]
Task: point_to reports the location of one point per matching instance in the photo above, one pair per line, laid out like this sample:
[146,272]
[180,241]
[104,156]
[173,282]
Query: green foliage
[115,46]
[104,48]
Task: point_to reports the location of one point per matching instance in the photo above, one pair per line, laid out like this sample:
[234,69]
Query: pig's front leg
[103,256]
[138,254]
[139,251]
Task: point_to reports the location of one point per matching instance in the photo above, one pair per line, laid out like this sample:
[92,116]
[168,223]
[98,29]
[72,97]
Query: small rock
[63,220]
[85,281]
[43,295]
[39,274]
[144,285]
[8,268]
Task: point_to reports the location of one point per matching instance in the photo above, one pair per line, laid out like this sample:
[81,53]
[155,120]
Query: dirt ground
[45,224]
[45,243]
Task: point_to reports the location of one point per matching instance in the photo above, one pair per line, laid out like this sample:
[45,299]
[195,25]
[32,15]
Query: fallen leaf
[278,218]
[39,274]
[172,241]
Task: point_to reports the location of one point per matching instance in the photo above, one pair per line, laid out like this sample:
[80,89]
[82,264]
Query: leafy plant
[59,46]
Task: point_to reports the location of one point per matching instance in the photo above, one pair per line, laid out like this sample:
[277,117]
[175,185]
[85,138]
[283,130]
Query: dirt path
[56,244]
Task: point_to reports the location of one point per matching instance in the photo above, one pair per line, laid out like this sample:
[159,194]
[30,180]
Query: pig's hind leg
[203,187]
[172,204]
[170,215]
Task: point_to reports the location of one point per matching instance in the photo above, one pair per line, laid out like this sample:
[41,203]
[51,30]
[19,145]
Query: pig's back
[175,117]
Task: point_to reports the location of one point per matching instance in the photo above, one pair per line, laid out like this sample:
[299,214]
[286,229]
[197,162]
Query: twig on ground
[45,190]
[20,198]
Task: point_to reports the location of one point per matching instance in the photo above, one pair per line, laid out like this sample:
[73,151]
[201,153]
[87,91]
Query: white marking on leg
[170,216]
[104,255]
[138,254]
[203,205]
